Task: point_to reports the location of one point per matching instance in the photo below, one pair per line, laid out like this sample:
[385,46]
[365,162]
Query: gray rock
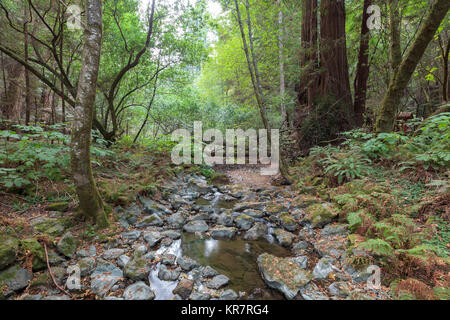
[200,296]
[209,272]
[148,221]
[138,291]
[14,279]
[223,233]
[131,235]
[259,230]
[200,216]
[284,237]
[63,297]
[137,268]
[334,230]
[167,274]
[358,276]
[32,297]
[67,245]
[104,277]
[172,234]
[312,292]
[176,220]
[339,289]
[86,266]
[123,260]
[218,282]
[244,222]
[83,253]
[186,263]
[152,238]
[168,259]
[254,213]
[130,216]
[225,219]
[302,261]
[229,294]
[323,268]
[113,253]
[112,298]
[196,226]
[151,207]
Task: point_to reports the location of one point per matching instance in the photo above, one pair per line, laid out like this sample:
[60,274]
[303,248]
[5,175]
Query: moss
[41,280]
[275,208]
[320,214]
[9,246]
[58,206]
[34,247]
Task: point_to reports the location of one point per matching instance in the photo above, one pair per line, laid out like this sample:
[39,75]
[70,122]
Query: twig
[51,273]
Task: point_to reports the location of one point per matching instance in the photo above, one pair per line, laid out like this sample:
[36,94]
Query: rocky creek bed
[198,242]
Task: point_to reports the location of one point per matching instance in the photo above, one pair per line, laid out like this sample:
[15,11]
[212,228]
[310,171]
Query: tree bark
[400,79]
[282,75]
[362,69]
[27,76]
[91,203]
[394,34]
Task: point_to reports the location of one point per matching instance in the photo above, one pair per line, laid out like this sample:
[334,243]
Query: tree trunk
[335,80]
[394,34]
[282,76]
[91,203]
[27,76]
[15,72]
[362,69]
[400,79]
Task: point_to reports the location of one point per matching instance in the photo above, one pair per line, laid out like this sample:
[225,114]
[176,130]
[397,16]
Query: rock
[301,245]
[58,206]
[112,298]
[113,253]
[86,266]
[83,253]
[54,258]
[186,263]
[9,245]
[225,219]
[137,268]
[248,205]
[284,238]
[229,294]
[54,298]
[222,233]
[151,207]
[283,275]
[138,291]
[287,222]
[358,276]
[67,245]
[14,279]
[275,208]
[52,227]
[209,272]
[339,289]
[104,277]
[153,220]
[200,296]
[218,282]
[131,235]
[259,230]
[139,248]
[176,220]
[323,268]
[254,213]
[123,260]
[166,242]
[200,216]
[172,234]
[302,261]
[31,297]
[184,288]
[334,230]
[31,245]
[131,214]
[152,238]
[168,259]
[168,274]
[335,248]
[196,226]
[312,292]
[320,214]
[244,222]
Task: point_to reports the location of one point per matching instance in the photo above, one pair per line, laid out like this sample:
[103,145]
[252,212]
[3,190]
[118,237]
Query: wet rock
[123,260]
[176,220]
[184,288]
[244,222]
[320,214]
[196,226]
[151,207]
[209,272]
[168,274]
[200,296]
[323,268]
[222,233]
[86,266]
[259,230]
[138,291]
[137,268]
[148,221]
[14,279]
[312,292]
[283,237]
[225,219]
[282,274]
[104,277]
[229,294]
[113,253]
[152,238]
[186,263]
[339,289]
[218,282]
[67,245]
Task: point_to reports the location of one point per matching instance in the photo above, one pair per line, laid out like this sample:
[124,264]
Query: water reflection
[211,245]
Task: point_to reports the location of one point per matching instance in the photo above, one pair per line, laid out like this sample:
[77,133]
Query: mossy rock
[304,201]
[287,221]
[274,208]
[58,206]
[67,245]
[9,245]
[51,226]
[37,250]
[320,214]
[41,280]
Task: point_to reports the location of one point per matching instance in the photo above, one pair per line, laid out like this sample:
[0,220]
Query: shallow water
[236,259]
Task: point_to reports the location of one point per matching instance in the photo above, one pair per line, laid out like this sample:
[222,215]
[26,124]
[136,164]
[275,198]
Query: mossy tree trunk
[399,80]
[91,203]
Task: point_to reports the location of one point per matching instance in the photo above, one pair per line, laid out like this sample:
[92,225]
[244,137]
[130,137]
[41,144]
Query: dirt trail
[249,175]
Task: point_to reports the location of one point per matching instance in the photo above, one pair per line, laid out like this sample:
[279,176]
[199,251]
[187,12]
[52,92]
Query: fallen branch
[51,273]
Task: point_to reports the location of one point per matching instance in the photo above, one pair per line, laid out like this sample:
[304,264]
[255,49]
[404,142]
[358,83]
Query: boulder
[13,279]
[196,226]
[320,214]
[222,233]
[137,268]
[9,245]
[138,291]
[218,282]
[259,230]
[67,245]
[244,222]
[184,288]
